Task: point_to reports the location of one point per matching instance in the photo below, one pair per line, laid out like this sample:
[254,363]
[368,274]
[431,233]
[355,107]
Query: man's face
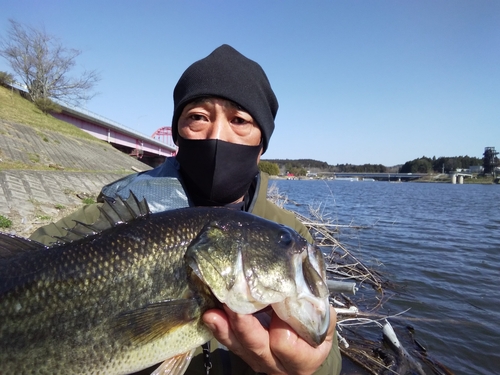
[212,167]
[215,118]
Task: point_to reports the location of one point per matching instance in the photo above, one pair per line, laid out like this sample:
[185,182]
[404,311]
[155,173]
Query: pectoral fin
[153,321]
[176,365]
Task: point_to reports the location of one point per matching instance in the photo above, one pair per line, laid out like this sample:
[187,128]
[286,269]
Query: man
[224,111]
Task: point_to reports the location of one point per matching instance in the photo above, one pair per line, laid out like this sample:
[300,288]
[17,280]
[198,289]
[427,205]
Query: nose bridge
[219,124]
[216,130]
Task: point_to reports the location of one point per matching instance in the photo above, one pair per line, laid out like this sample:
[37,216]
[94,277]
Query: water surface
[440,243]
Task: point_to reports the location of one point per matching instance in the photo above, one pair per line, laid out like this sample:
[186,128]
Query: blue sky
[374,81]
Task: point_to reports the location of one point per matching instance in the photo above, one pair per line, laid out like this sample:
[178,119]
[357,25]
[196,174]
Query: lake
[439,244]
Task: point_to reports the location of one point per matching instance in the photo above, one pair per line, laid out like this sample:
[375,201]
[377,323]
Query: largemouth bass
[130,293]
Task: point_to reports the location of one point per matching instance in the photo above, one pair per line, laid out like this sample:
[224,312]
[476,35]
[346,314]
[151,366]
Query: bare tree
[43,64]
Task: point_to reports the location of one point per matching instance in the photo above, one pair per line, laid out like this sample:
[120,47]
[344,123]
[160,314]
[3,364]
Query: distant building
[476,169]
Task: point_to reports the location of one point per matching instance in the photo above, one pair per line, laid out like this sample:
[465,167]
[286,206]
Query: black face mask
[216,172]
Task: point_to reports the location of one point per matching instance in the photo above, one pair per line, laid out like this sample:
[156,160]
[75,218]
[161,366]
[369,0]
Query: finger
[253,343]
[248,331]
[295,353]
[231,329]
[217,321]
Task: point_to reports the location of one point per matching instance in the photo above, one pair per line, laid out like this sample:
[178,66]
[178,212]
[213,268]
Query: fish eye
[285,238]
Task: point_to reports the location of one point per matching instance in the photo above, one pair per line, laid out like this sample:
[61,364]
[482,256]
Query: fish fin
[11,245]
[114,212]
[155,320]
[118,211]
[176,365]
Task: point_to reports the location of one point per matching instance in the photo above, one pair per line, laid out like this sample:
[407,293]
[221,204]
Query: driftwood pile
[368,342]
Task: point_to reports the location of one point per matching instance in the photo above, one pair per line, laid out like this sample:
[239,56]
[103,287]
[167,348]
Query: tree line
[440,165]
[443,164]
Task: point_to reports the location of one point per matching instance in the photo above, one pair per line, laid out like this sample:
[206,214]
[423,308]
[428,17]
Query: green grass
[479,180]
[14,108]
[43,217]
[88,200]
[5,222]
[34,158]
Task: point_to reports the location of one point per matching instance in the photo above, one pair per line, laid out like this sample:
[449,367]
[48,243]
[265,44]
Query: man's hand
[274,350]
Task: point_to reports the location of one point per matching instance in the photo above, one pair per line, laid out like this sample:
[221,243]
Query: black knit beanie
[227,74]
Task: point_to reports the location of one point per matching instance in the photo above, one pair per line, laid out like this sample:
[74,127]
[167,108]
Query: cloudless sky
[375,81]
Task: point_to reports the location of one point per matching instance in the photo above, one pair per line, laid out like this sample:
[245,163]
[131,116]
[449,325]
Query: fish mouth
[311,324]
[308,311]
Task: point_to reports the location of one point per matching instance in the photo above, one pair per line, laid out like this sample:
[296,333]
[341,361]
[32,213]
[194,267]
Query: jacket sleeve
[48,233]
[333,363]
[268,210]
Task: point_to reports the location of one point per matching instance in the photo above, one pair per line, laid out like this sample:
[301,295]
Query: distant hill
[321,166]
[301,163]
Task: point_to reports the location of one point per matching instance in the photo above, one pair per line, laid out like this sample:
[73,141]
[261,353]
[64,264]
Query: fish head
[250,263]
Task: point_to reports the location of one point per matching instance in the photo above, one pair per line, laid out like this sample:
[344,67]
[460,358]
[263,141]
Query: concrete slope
[50,149]
[56,171]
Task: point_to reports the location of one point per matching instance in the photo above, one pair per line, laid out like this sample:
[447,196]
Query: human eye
[240,121]
[197,117]
[192,119]
[196,113]
[241,117]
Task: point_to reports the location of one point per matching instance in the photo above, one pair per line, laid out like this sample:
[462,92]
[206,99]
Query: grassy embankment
[14,108]
[18,113]
[478,179]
